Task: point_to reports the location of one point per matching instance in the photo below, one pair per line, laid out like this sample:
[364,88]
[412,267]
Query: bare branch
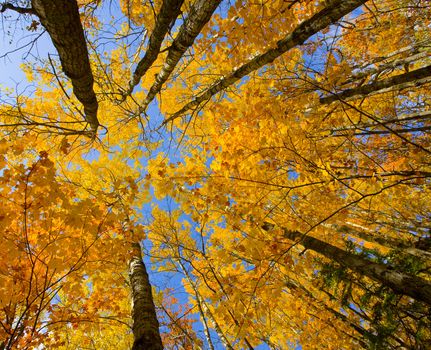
[21,10]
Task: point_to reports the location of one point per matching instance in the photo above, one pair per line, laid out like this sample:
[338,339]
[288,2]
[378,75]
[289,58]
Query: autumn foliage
[272,158]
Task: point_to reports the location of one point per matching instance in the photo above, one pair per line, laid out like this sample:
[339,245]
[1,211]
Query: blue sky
[18,45]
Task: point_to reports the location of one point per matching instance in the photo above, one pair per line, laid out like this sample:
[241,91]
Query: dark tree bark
[416,77]
[402,283]
[61,20]
[145,325]
[169,11]
[200,13]
[334,11]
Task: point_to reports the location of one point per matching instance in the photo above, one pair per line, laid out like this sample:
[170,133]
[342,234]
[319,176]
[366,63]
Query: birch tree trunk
[206,313]
[169,11]
[199,15]
[145,325]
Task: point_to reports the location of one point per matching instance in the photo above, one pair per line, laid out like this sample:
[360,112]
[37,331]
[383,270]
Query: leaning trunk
[414,78]
[388,242]
[145,325]
[402,283]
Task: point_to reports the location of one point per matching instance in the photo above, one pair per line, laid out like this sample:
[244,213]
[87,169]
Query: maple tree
[292,138]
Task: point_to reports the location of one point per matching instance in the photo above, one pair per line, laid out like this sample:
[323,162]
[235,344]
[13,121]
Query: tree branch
[21,10]
[200,14]
[169,11]
[416,77]
[414,286]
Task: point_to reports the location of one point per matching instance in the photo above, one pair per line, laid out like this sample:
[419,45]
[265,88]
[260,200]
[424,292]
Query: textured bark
[169,11]
[200,13]
[145,325]
[61,20]
[402,283]
[414,78]
[334,11]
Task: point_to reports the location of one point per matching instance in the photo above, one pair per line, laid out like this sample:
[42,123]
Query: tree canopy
[210,174]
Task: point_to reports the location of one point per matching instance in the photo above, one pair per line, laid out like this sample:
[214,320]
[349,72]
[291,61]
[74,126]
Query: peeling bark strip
[416,77]
[145,325]
[62,22]
[402,283]
[169,11]
[200,13]
[334,10]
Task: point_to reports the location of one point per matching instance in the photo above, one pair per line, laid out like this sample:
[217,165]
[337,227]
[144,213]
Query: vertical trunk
[145,325]
[205,324]
[402,283]
[216,326]
[206,313]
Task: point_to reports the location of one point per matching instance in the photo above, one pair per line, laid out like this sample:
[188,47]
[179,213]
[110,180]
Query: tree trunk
[145,325]
[402,283]
[169,11]
[206,313]
[62,22]
[200,13]
[334,11]
[388,242]
[414,78]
